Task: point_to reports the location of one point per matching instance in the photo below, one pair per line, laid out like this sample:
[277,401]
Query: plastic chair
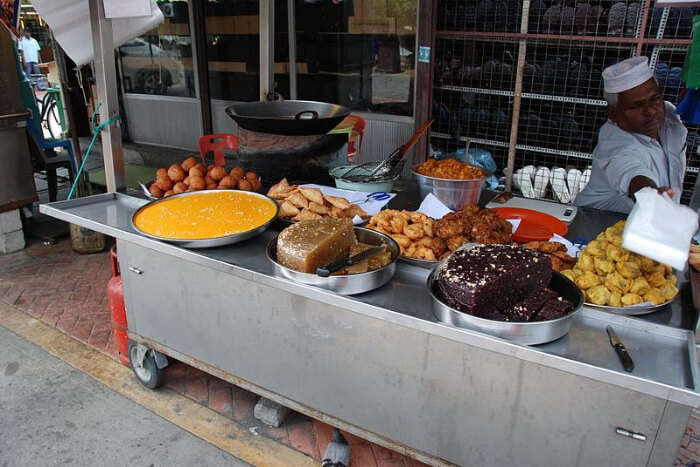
[358,131]
[45,158]
[216,144]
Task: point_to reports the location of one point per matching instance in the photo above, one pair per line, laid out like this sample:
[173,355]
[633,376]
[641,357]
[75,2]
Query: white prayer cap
[627,74]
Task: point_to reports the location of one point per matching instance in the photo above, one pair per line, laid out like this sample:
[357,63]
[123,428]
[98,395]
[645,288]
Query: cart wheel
[143,362]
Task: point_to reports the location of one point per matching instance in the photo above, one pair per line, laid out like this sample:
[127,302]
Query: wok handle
[301,115]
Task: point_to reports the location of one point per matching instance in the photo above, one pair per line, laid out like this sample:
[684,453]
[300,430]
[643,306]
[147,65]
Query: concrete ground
[53,414]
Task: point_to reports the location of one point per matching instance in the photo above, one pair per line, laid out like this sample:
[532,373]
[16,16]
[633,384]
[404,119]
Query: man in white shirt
[30,53]
[642,144]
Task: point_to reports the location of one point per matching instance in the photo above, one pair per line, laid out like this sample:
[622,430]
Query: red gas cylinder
[115,294]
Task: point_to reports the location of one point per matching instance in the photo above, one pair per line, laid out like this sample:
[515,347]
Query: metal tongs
[389,166]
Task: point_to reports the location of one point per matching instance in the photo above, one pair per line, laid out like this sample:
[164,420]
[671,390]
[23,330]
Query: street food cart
[381,366]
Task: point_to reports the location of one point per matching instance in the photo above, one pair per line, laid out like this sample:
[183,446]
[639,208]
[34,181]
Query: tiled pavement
[68,291]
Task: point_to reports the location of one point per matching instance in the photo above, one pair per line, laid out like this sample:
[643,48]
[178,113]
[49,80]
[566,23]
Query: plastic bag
[660,229]
[691,68]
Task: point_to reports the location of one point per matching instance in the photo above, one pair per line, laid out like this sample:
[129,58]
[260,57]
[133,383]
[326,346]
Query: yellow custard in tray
[205,215]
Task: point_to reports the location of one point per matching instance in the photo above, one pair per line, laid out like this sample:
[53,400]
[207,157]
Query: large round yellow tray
[178,208]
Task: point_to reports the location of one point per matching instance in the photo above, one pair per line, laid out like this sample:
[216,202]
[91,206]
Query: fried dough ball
[631,299]
[669,291]
[598,295]
[585,262]
[402,240]
[640,286]
[587,280]
[616,283]
[629,269]
[413,231]
[596,248]
[398,224]
[603,265]
[617,254]
[613,236]
[615,299]
[656,279]
[654,296]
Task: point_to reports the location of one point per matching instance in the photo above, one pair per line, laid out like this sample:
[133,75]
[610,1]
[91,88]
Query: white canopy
[70,22]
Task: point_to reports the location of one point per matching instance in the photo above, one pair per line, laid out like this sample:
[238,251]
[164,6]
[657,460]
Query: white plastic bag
[660,229]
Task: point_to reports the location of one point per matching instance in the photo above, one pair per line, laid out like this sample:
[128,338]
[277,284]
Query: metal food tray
[421,263]
[350,284]
[207,242]
[630,311]
[526,333]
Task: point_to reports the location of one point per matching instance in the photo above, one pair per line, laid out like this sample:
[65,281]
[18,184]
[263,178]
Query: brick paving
[68,291]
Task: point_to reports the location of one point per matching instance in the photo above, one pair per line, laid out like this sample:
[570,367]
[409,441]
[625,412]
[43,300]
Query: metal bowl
[629,310]
[421,263]
[538,332]
[454,193]
[207,242]
[350,284]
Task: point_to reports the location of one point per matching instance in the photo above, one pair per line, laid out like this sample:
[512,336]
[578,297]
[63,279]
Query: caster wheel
[143,362]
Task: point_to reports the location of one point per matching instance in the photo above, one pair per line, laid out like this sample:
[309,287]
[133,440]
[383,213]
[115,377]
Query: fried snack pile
[298,203]
[449,168]
[421,237]
[610,275]
[556,252]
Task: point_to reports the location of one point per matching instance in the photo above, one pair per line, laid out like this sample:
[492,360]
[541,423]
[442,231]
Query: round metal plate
[207,242]
[526,333]
[350,284]
[630,311]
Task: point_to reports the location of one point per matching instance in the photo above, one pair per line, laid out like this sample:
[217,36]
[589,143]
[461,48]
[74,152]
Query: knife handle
[625,358]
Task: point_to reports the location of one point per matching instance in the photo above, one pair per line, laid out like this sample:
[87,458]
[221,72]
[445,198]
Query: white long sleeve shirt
[620,156]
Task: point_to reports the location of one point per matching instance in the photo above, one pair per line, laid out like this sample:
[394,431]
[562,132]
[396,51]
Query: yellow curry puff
[609,275]
[205,215]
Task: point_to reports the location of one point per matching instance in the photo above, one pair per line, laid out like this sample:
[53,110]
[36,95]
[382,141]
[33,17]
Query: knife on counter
[621,350]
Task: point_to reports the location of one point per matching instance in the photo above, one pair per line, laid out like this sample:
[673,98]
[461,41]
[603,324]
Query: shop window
[356,53]
[233,49]
[160,61]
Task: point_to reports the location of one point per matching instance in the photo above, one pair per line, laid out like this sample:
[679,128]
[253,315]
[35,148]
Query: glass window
[233,49]
[356,53]
[160,61]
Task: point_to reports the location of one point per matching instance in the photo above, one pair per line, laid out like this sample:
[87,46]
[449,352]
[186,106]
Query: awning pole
[291,28]
[106,78]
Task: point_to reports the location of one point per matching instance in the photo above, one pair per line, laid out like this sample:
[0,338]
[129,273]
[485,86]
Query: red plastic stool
[115,294]
[358,131]
[216,144]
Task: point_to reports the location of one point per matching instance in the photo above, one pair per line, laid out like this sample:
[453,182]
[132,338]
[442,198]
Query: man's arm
[640,181]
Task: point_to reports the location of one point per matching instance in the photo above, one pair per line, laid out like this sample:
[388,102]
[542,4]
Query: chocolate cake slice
[492,278]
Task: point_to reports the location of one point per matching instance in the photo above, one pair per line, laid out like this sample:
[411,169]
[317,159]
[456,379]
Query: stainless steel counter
[666,368]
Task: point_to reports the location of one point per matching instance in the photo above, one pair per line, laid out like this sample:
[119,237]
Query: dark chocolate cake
[490,278]
[500,282]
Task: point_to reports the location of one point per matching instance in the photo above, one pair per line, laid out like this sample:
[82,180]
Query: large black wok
[292,118]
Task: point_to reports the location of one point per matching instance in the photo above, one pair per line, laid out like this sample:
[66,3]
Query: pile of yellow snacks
[610,275]
[449,168]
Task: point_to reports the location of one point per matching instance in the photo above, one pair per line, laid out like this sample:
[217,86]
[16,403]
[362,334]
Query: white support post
[106,78]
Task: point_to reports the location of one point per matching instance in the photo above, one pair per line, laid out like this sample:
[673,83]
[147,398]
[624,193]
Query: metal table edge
[528,353]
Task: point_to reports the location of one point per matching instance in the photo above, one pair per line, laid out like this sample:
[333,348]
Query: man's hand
[667,190]
[694,258]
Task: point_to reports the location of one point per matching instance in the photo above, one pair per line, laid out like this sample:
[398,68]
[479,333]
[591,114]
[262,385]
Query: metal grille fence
[536,65]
